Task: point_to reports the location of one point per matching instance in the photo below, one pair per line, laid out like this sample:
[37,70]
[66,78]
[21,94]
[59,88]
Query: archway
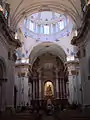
[47,47]
[49,80]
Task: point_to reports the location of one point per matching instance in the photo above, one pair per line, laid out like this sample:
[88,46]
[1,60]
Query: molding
[73,4]
[74,62]
[17,9]
[22,65]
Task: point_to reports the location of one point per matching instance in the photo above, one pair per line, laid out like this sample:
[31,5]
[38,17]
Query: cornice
[7,33]
[22,65]
[83,31]
[75,62]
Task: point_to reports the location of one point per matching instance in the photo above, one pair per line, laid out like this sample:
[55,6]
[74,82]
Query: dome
[47,26]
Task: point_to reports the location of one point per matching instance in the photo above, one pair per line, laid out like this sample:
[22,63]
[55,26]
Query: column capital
[73,67]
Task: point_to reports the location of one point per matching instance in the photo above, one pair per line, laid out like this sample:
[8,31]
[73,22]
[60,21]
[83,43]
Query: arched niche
[48,89]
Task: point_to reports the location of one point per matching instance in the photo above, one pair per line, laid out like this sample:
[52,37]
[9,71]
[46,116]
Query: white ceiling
[21,8]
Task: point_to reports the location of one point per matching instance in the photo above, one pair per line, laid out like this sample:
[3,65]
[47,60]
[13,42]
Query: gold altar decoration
[48,89]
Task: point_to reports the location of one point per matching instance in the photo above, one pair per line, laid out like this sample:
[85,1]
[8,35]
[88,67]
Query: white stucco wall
[26,87]
[22,90]
[74,90]
[74,83]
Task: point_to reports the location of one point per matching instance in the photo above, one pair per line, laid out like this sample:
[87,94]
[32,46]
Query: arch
[47,47]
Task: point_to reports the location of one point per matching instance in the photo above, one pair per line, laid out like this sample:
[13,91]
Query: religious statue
[49,91]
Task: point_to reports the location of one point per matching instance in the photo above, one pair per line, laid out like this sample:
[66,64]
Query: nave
[44,59]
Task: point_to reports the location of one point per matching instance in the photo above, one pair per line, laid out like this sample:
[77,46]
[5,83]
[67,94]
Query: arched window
[31,26]
[61,25]
[46,29]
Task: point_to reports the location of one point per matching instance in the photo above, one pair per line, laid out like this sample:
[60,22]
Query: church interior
[44,54]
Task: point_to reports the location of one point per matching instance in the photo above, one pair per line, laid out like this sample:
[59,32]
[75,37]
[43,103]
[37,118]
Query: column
[36,89]
[40,85]
[57,87]
[25,89]
[19,90]
[22,91]
[57,90]
[30,93]
[72,80]
[33,90]
[63,89]
[67,89]
[39,89]
[60,89]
